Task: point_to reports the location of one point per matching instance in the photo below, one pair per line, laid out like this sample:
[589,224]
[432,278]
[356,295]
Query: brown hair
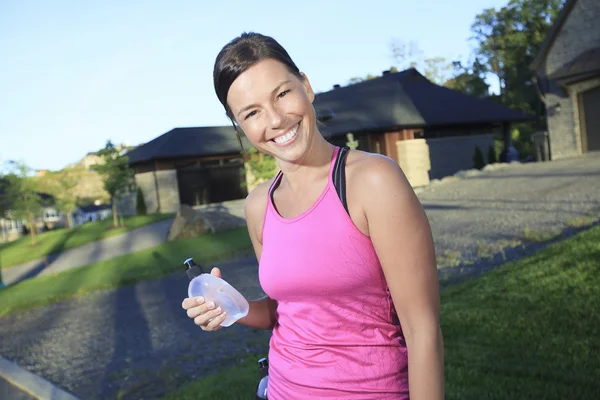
[242,53]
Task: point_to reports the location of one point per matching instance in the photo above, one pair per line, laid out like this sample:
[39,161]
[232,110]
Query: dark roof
[552,34]
[404,100]
[94,208]
[585,65]
[189,142]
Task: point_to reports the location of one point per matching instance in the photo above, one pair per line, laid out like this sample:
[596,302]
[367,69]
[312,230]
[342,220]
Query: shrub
[140,203]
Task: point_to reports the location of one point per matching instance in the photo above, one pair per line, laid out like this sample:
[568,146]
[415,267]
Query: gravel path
[137,342]
[499,211]
[133,241]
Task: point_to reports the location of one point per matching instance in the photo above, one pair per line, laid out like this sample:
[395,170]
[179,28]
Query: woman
[345,249]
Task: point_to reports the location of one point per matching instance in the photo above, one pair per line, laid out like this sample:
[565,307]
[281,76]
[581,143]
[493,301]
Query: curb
[31,383]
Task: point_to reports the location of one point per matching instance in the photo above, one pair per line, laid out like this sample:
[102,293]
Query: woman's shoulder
[372,168]
[255,204]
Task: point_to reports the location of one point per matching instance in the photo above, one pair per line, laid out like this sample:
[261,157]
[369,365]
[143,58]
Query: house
[12,228]
[567,69]
[91,213]
[193,166]
[404,106]
[200,165]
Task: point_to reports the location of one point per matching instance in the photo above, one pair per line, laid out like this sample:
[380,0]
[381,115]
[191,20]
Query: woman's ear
[308,87]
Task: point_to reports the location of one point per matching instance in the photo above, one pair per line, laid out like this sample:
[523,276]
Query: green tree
[259,167]
[492,156]
[140,203]
[507,41]
[66,198]
[437,69]
[478,161]
[351,143]
[118,178]
[21,198]
[469,79]
[62,185]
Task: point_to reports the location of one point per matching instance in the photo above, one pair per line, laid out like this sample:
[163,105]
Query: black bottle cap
[193,269]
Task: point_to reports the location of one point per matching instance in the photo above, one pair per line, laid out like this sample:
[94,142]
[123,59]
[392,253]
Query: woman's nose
[276,118]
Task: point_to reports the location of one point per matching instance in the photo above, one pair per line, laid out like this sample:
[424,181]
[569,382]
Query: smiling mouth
[291,134]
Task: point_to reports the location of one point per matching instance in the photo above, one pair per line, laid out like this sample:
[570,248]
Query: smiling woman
[344,247]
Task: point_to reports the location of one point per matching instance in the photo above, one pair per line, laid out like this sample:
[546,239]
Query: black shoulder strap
[339,175]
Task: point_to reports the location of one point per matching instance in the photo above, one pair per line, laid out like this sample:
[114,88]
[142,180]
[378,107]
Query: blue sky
[77,73]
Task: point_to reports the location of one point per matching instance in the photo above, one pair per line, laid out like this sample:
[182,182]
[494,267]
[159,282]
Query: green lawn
[152,263]
[21,250]
[529,330]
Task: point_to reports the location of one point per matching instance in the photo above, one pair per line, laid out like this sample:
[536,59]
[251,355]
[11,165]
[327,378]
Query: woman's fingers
[204,318]
[190,302]
[215,324]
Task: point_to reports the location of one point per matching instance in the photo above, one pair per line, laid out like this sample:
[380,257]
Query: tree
[118,178]
[492,157]
[437,69]
[478,161]
[408,55]
[351,143]
[405,55]
[66,200]
[507,41]
[62,185]
[259,167]
[469,79]
[140,203]
[20,197]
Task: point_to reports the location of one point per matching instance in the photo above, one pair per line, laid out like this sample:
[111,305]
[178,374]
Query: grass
[230,383]
[56,241]
[528,330]
[538,236]
[580,222]
[147,264]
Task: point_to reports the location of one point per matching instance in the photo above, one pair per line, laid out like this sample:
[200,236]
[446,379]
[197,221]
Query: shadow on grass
[53,254]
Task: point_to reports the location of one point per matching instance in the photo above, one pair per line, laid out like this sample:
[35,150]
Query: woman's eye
[282,94]
[250,114]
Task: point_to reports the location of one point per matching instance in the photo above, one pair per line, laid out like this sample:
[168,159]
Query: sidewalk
[133,241]
[17,383]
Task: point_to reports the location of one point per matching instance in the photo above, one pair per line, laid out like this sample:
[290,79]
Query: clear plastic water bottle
[216,290]
[263,384]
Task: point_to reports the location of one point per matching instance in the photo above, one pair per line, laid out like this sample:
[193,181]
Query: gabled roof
[189,142]
[552,34]
[404,100]
[585,65]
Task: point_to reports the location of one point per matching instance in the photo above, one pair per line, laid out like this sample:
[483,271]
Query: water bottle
[216,290]
[261,389]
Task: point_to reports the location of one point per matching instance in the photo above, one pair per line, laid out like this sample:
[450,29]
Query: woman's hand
[205,315]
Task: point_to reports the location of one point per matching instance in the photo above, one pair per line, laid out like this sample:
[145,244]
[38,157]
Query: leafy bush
[478,161]
[140,203]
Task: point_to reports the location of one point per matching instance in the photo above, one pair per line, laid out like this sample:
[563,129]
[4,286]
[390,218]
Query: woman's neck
[316,161]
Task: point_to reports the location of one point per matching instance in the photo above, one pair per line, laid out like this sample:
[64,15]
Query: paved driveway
[138,342]
[136,240]
[481,215]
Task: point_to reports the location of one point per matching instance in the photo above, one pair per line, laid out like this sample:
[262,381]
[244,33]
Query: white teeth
[283,139]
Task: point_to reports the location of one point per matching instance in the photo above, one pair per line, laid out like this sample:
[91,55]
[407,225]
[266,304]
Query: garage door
[590,101]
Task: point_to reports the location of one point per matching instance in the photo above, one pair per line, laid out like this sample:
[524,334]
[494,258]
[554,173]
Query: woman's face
[274,109]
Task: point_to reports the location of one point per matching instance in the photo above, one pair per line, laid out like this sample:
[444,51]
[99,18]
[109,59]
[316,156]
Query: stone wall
[579,33]
[167,197]
[450,155]
[145,181]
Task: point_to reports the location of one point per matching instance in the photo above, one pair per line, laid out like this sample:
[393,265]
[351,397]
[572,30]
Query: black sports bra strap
[339,175]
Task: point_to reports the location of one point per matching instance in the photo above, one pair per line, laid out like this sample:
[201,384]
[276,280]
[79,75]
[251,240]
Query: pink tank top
[337,335]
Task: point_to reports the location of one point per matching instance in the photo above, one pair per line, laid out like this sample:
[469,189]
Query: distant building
[568,78]
[201,165]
